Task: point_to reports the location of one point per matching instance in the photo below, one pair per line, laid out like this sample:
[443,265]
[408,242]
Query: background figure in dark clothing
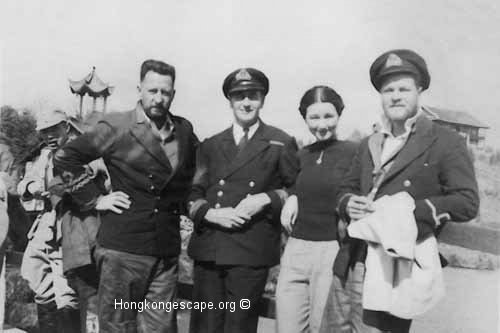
[310,217]
[150,156]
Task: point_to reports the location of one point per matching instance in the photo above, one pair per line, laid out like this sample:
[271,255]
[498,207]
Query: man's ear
[139,88]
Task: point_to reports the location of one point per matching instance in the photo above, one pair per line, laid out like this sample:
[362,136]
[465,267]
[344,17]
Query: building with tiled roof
[462,122]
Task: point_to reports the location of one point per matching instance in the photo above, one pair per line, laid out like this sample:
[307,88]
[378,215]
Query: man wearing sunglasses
[239,187]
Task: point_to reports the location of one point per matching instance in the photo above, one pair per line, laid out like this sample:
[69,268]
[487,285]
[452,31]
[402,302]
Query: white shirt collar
[238,132]
[409,124]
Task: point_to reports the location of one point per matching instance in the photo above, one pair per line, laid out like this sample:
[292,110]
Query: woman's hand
[115,202]
[289,213]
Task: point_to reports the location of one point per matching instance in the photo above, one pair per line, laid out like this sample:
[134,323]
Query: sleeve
[459,201]
[8,171]
[288,168]
[351,184]
[71,160]
[197,204]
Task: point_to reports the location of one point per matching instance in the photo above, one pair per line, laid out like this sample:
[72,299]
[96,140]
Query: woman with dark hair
[309,216]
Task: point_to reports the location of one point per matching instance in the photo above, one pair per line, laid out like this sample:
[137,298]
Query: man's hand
[289,213]
[253,204]
[359,207]
[227,217]
[115,202]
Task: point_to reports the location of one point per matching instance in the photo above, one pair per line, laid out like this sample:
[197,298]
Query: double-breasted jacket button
[155,210]
[426,164]
[222,182]
[150,176]
[220,194]
[252,183]
[407,183]
[152,187]
[217,205]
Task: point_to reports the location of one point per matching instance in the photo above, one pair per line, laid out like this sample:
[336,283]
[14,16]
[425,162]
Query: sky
[298,44]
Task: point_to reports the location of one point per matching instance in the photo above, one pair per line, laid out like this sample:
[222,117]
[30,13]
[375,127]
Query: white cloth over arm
[403,277]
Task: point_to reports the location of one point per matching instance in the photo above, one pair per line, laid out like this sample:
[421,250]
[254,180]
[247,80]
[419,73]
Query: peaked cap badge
[393,60]
[243,75]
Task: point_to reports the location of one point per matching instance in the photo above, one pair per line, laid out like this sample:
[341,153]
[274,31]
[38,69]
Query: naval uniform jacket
[433,166]
[138,166]
[269,164]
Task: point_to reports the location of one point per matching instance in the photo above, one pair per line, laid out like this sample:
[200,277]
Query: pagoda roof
[453,117]
[91,85]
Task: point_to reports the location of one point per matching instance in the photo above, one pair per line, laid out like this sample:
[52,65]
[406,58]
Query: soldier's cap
[398,62]
[50,119]
[244,79]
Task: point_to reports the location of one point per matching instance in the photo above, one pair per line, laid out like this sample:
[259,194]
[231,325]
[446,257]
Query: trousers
[134,292]
[305,276]
[344,309]
[226,286]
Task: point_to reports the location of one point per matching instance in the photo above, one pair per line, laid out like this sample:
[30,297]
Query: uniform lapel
[375,147]
[255,146]
[418,142]
[182,137]
[141,131]
[228,146]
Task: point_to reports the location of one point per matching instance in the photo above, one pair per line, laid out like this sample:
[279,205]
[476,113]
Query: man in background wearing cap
[235,204]
[53,129]
[42,260]
[150,157]
[410,154]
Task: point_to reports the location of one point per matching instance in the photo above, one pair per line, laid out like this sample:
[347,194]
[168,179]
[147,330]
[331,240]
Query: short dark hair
[321,94]
[157,66]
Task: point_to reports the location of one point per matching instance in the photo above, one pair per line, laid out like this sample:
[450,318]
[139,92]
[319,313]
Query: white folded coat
[403,277]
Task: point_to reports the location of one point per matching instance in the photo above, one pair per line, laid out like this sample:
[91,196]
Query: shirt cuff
[197,211]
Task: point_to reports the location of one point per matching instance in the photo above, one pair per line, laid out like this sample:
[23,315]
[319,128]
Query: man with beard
[411,156]
[235,204]
[150,156]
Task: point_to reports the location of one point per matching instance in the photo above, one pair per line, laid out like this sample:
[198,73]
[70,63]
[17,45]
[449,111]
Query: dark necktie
[243,141]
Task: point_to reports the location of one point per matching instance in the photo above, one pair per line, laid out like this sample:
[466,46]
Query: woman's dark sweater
[322,167]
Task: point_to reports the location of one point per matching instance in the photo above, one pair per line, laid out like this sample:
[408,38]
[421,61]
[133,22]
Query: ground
[471,305]
[488,178]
